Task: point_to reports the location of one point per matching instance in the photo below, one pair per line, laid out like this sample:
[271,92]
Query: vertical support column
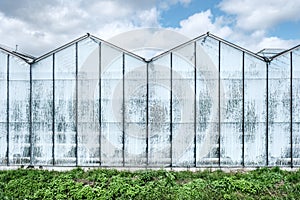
[291,107]
[123,112]
[219,102]
[53,109]
[30,116]
[171,107]
[76,103]
[100,97]
[147,114]
[243,105]
[195,106]
[7,110]
[267,113]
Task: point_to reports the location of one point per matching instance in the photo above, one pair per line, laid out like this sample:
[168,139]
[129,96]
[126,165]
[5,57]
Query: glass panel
[111,106]
[42,111]
[88,103]
[3,65]
[183,106]
[279,111]
[42,143]
[123,118]
[135,111]
[207,106]
[111,144]
[159,112]
[19,87]
[296,107]
[3,141]
[255,111]
[3,108]
[296,143]
[88,147]
[65,107]
[231,87]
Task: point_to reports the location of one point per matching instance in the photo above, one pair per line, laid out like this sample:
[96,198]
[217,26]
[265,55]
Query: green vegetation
[262,183]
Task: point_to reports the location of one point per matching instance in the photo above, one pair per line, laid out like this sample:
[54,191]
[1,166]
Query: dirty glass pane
[88,103]
[3,65]
[279,111]
[231,102]
[159,112]
[296,107]
[111,106]
[3,147]
[19,87]
[3,108]
[135,111]
[207,107]
[183,106]
[255,111]
[42,111]
[296,143]
[65,107]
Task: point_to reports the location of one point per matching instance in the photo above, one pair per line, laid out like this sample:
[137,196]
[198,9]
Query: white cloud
[165,4]
[40,26]
[259,40]
[203,22]
[258,14]
[148,18]
[253,40]
[275,42]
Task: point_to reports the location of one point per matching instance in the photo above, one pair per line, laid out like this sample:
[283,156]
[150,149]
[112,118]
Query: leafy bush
[264,183]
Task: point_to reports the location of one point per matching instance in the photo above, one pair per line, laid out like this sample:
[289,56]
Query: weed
[264,183]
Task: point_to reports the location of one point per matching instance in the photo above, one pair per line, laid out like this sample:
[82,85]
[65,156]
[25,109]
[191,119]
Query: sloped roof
[216,38]
[98,40]
[260,55]
[26,57]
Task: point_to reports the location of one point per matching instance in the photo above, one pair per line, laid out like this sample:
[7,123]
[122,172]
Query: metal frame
[61,48]
[195,104]
[32,60]
[116,47]
[211,36]
[286,52]
[123,108]
[147,114]
[7,108]
[26,58]
[291,106]
[243,105]
[30,116]
[76,102]
[267,113]
[53,109]
[236,46]
[171,109]
[219,103]
[100,103]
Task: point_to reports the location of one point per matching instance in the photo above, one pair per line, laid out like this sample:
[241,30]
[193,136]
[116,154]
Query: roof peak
[267,53]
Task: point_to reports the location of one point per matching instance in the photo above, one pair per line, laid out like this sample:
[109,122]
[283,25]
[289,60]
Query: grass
[264,183]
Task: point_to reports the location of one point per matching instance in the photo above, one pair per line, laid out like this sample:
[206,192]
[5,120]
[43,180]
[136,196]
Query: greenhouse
[205,103]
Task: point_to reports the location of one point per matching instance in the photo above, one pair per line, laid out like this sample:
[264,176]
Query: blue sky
[287,30]
[178,12]
[172,17]
[39,26]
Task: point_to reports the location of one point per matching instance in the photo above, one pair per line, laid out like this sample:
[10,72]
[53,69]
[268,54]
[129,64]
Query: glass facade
[206,103]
